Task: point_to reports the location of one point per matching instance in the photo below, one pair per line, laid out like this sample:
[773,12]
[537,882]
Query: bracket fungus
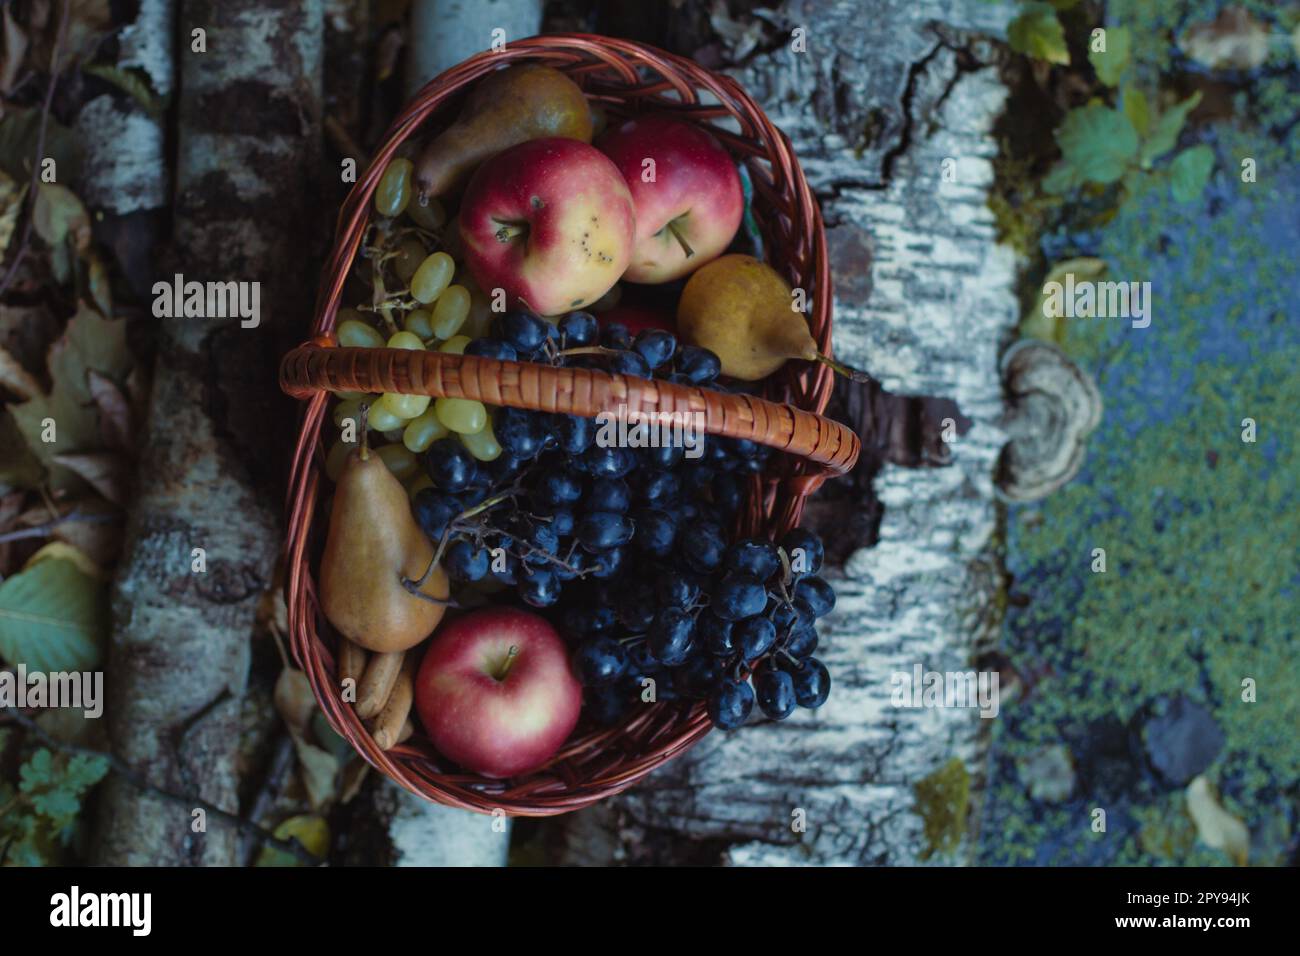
[1053,405]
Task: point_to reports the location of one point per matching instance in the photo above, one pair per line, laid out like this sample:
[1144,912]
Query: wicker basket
[626,79]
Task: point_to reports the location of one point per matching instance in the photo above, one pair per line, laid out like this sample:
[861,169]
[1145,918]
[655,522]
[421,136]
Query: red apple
[495,691]
[550,221]
[689,209]
[637,318]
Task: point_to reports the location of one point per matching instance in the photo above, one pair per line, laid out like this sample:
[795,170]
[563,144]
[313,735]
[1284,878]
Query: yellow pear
[508,107]
[374,542]
[743,311]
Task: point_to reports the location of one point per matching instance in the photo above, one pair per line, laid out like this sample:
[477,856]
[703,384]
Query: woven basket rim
[594,763]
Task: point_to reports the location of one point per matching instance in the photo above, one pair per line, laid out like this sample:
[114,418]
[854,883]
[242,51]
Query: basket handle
[318,366]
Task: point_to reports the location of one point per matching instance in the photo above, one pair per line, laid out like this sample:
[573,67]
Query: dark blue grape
[774,689]
[718,636]
[584,621]
[669,636]
[518,433]
[492,348]
[738,596]
[699,366]
[663,456]
[539,540]
[730,704]
[812,683]
[728,493]
[611,462]
[599,660]
[557,487]
[433,510]
[640,662]
[629,363]
[636,607]
[655,345]
[573,434]
[603,530]
[699,676]
[701,545]
[466,562]
[804,550]
[819,595]
[608,494]
[450,465]
[698,479]
[523,331]
[674,589]
[476,493]
[562,522]
[506,568]
[539,587]
[802,642]
[607,563]
[659,488]
[578,328]
[753,556]
[502,468]
[614,335]
[655,531]
[754,637]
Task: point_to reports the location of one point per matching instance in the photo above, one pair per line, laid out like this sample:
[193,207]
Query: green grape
[423,430]
[349,409]
[347,314]
[482,444]
[417,323]
[410,253]
[479,321]
[432,277]
[337,456]
[455,345]
[393,193]
[402,406]
[380,419]
[431,217]
[405,340]
[461,414]
[451,311]
[399,460]
[355,334]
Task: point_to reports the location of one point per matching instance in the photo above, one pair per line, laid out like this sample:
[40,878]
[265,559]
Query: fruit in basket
[743,311]
[495,691]
[550,222]
[511,106]
[685,190]
[372,545]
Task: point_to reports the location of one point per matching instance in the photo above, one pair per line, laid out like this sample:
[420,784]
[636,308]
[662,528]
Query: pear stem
[512,655]
[686,246]
[847,371]
[363,413]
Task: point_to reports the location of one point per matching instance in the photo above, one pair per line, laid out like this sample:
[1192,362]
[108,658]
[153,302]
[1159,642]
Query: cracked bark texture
[886,92]
[248,148]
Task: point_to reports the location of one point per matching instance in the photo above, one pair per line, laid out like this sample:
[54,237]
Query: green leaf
[1164,135]
[311,832]
[132,82]
[1110,64]
[89,342]
[1137,109]
[1061,178]
[1189,172]
[1098,142]
[19,468]
[18,133]
[53,617]
[1038,33]
[58,215]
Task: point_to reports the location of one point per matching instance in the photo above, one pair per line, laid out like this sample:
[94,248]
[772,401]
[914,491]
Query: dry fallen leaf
[106,472]
[1234,40]
[1216,827]
[16,378]
[11,204]
[114,412]
[294,700]
[11,53]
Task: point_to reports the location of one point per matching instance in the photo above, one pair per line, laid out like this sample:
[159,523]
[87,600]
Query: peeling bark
[885,93]
[248,164]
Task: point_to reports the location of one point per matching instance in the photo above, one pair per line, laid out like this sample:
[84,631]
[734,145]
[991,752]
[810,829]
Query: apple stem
[847,371]
[686,246]
[510,231]
[511,656]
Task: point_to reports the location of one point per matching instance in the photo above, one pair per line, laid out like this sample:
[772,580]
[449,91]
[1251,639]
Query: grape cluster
[628,546]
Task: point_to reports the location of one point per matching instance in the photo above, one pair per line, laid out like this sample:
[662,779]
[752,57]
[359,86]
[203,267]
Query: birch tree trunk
[886,92]
[248,148]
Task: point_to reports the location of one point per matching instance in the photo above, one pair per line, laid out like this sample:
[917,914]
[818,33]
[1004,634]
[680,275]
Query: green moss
[943,803]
